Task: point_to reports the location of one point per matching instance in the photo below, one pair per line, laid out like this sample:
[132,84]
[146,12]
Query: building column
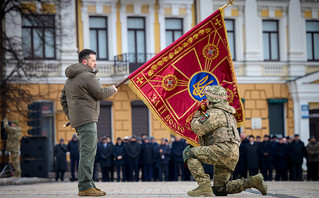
[113,35]
[123,19]
[68,35]
[296,32]
[85,20]
[161,20]
[296,38]
[253,37]
[204,9]
[150,45]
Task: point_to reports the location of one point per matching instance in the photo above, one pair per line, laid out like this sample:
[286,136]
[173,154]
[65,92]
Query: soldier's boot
[257,182]
[201,190]
[239,185]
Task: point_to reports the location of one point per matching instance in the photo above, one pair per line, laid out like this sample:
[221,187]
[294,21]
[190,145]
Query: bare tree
[15,68]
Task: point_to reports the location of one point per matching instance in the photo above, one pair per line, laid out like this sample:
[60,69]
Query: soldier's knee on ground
[219,190]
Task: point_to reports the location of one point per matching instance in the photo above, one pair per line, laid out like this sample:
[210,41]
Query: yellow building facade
[260,81]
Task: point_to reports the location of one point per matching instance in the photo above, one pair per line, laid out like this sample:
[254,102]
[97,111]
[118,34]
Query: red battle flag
[171,84]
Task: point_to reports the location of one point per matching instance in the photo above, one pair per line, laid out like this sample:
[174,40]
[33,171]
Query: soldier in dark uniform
[219,146]
[13,144]
[266,157]
[163,159]
[251,155]
[281,154]
[297,152]
[60,159]
[74,155]
[105,152]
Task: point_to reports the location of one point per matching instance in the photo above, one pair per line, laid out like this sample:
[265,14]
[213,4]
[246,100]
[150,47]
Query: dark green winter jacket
[81,95]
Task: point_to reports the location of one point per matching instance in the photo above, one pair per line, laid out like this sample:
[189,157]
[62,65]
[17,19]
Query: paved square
[153,189]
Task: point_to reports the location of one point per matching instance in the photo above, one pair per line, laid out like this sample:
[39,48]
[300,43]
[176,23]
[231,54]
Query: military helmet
[215,93]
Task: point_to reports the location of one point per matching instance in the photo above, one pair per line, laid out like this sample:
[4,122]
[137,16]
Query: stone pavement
[153,189]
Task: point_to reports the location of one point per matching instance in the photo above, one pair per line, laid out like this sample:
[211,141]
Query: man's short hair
[85,54]
[251,136]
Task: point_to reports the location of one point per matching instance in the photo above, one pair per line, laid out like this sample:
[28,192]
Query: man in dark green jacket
[80,100]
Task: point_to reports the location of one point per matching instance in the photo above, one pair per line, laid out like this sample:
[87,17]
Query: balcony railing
[130,60]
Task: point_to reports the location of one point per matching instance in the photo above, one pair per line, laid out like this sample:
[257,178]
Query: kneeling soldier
[219,146]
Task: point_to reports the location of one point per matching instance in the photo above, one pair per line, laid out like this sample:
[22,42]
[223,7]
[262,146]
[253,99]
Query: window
[98,37]
[136,39]
[38,36]
[140,123]
[312,30]
[270,39]
[231,36]
[174,29]
[104,128]
[276,116]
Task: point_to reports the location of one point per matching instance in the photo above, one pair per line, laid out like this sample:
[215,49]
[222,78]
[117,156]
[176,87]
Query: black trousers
[74,162]
[57,174]
[163,169]
[281,173]
[133,167]
[178,168]
[297,172]
[118,171]
[105,173]
[313,171]
[266,170]
[95,171]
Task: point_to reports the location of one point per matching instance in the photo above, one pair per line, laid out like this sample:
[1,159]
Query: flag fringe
[135,90]
[242,123]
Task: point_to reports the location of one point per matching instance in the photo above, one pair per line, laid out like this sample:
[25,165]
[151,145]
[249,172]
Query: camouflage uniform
[13,145]
[219,145]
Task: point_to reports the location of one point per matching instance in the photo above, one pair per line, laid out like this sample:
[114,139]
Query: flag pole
[230,2]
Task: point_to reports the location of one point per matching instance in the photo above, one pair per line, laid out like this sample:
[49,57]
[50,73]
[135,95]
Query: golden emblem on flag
[210,51]
[169,82]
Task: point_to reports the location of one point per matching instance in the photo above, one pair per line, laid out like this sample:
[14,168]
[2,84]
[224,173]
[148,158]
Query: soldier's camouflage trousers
[205,154]
[16,164]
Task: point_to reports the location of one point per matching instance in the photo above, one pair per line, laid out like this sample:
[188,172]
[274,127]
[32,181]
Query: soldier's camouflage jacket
[14,134]
[219,127]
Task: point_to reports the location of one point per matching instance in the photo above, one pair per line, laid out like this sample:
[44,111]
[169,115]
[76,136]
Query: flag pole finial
[229,2]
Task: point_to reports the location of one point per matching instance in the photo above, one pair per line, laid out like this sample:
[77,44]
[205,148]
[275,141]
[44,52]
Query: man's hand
[119,157]
[115,89]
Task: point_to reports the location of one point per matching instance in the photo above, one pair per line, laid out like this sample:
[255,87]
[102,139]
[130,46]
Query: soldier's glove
[188,153]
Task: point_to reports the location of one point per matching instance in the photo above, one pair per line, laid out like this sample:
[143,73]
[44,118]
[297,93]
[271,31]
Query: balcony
[130,60]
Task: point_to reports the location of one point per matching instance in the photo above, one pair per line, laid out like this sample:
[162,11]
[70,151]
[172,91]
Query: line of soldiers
[283,154]
[132,156]
[158,162]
